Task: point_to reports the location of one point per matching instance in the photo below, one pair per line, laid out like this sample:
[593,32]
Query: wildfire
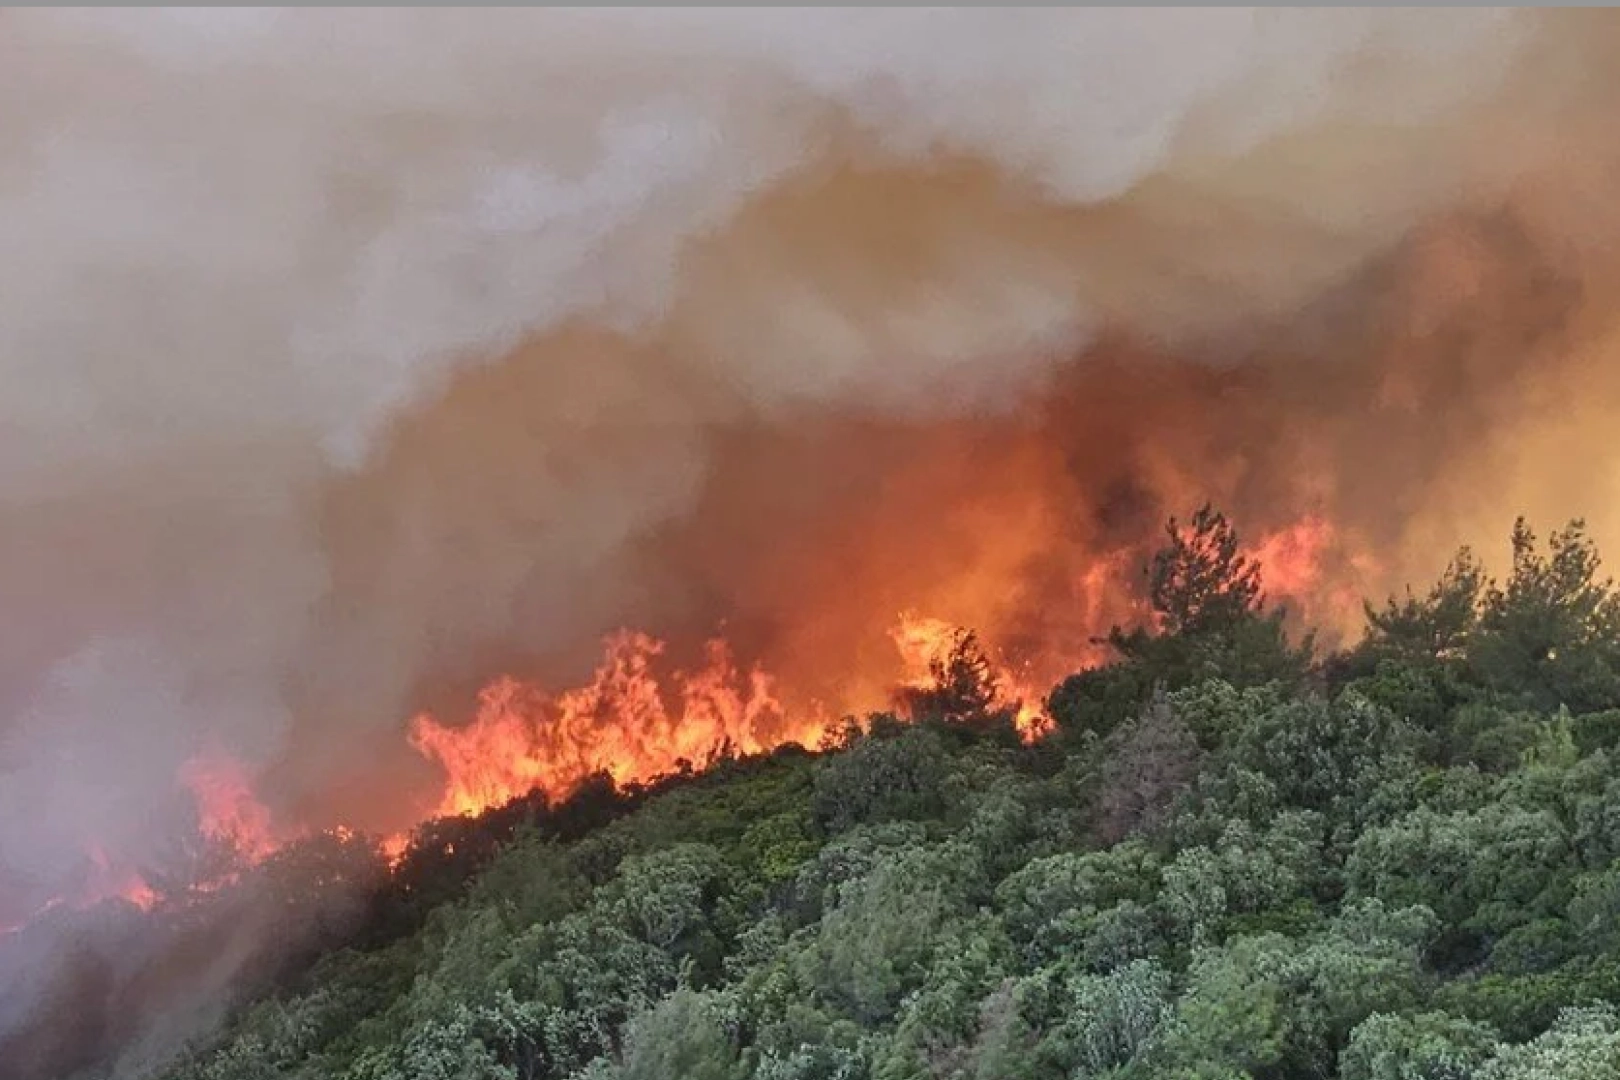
[926,644]
[635,725]
[626,722]
[227,809]
[1294,563]
[637,718]
[108,880]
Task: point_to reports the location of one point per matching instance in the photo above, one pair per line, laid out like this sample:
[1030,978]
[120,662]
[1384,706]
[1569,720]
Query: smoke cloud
[353,357]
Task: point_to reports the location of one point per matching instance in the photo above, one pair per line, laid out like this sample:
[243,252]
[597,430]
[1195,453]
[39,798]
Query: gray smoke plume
[347,355]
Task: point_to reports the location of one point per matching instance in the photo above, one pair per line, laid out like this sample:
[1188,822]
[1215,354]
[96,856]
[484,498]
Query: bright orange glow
[1295,568]
[1291,559]
[626,722]
[393,848]
[637,719]
[108,880]
[926,642]
[227,809]
[635,724]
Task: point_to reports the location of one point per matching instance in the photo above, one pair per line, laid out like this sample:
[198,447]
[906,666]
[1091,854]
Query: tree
[681,1036]
[1583,1045]
[1211,624]
[1425,1046]
[963,687]
[1052,906]
[1550,637]
[1414,657]
[1438,626]
[1211,612]
[875,945]
[1487,870]
[1201,583]
[1150,760]
[1104,1023]
[882,779]
[1278,1006]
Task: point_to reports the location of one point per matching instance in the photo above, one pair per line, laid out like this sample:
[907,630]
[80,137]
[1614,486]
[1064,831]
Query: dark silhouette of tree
[1550,636]
[963,687]
[1211,622]
[1201,582]
[1437,627]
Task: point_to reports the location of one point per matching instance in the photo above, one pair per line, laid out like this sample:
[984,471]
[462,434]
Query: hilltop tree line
[1232,860]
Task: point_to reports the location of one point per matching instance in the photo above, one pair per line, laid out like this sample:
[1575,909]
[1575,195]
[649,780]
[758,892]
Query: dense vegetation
[1232,860]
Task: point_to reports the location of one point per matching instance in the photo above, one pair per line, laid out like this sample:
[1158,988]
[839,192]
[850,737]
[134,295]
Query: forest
[1235,858]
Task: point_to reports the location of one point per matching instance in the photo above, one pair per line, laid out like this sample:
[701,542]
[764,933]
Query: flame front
[622,723]
[634,726]
[107,879]
[638,718]
[228,810]
[635,720]
[926,643]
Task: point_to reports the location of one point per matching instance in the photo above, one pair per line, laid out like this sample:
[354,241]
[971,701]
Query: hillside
[1232,859]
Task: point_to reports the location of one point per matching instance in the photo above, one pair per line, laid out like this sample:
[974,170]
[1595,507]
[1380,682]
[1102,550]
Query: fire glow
[637,720]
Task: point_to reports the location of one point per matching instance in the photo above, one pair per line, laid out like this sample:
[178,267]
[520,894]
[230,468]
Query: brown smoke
[355,358]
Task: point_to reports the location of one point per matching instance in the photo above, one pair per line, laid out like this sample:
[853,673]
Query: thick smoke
[352,357]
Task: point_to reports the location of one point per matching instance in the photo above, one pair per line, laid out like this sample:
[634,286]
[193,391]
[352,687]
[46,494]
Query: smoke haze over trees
[1396,861]
[364,370]
[355,359]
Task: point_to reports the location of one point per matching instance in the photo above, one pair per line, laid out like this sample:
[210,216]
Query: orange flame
[108,880]
[1291,558]
[636,721]
[1294,566]
[635,726]
[522,739]
[926,642]
[228,811]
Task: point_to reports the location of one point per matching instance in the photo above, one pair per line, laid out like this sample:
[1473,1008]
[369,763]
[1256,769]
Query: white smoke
[245,255]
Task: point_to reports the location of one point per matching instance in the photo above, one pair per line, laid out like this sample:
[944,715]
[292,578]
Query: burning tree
[1209,621]
[964,681]
[1201,582]
[964,686]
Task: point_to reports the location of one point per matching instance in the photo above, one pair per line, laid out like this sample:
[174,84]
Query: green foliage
[1212,624]
[683,1035]
[1584,1044]
[882,778]
[1404,868]
[1487,870]
[1096,1024]
[1276,1005]
[1421,1046]
[1548,637]
[875,944]
[1327,756]
[1053,906]
[1209,601]
[1434,630]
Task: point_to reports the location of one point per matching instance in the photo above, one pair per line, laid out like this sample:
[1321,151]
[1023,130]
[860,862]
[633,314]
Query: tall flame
[636,719]
[227,809]
[926,643]
[625,722]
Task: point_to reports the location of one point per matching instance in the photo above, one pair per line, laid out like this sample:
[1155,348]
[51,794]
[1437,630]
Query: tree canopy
[1235,860]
